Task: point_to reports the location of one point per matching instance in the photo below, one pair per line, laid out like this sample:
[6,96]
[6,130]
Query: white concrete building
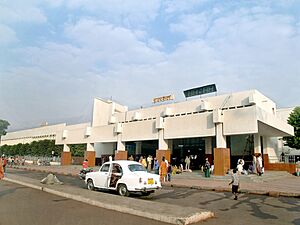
[219,127]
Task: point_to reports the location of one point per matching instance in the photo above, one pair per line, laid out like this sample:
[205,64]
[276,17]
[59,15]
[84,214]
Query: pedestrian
[163,170]
[156,166]
[259,165]
[4,163]
[1,169]
[85,164]
[144,162]
[131,158]
[169,173]
[254,163]
[240,168]
[149,160]
[235,182]
[207,168]
[187,163]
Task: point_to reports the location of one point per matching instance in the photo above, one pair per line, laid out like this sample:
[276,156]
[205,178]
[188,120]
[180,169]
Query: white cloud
[192,25]
[7,36]
[21,11]
[127,12]
[175,6]
[112,44]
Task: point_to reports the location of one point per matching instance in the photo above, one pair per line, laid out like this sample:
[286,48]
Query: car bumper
[144,189]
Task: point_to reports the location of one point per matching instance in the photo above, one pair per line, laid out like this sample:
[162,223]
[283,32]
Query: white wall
[240,121]
[48,132]
[104,149]
[194,125]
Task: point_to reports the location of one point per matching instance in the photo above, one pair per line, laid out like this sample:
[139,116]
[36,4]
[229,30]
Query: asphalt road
[21,205]
[249,209]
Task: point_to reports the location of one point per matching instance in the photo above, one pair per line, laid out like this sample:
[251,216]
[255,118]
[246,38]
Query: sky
[57,55]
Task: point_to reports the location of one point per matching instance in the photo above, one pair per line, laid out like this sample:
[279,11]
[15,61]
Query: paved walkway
[273,183]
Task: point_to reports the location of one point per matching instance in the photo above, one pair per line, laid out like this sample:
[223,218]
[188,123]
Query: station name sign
[163,98]
[200,90]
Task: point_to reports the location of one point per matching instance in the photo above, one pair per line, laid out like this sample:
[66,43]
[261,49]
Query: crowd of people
[256,167]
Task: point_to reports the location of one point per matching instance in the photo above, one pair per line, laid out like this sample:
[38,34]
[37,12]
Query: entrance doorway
[192,147]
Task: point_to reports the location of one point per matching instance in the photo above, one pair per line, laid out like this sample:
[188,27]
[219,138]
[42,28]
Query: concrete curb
[244,191]
[192,218]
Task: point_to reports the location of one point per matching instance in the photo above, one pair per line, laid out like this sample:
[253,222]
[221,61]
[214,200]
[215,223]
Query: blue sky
[57,55]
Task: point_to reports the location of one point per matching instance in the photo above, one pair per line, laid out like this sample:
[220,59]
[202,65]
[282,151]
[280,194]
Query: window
[105,168]
[116,168]
[136,167]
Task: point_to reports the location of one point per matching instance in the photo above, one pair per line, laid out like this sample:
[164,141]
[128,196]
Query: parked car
[123,176]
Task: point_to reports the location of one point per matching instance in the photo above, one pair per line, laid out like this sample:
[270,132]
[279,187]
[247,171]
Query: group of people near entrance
[255,168]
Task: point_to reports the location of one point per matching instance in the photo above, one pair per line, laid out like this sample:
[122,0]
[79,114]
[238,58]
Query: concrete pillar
[170,145]
[221,139]
[257,144]
[221,152]
[208,149]
[90,154]
[208,145]
[66,157]
[162,143]
[120,143]
[120,153]
[138,147]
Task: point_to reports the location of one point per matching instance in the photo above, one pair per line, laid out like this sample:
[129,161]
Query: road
[21,205]
[249,209]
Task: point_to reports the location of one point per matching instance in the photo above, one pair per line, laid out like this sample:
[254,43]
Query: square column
[257,144]
[221,139]
[120,153]
[162,143]
[161,153]
[138,147]
[221,161]
[66,157]
[90,154]
[208,149]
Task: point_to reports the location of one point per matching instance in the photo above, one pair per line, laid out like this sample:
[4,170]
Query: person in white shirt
[235,184]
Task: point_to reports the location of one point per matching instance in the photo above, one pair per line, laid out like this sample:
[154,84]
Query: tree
[294,120]
[3,127]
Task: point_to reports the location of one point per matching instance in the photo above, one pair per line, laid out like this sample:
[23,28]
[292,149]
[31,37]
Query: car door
[102,176]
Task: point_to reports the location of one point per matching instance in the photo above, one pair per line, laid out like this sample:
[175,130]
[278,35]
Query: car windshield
[136,167]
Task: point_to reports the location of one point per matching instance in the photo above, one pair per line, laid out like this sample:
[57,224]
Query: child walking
[235,183]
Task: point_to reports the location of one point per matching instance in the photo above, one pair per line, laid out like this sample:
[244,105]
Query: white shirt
[240,168]
[235,178]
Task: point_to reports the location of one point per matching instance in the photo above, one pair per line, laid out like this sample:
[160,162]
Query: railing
[283,159]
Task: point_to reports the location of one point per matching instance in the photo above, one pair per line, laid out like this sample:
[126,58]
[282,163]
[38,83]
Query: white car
[124,177]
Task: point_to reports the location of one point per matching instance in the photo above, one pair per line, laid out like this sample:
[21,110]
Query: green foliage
[77,150]
[294,120]
[35,148]
[3,127]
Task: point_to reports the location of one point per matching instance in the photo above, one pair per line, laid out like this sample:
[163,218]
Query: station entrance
[192,147]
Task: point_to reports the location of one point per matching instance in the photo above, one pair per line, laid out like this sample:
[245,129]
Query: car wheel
[122,190]
[90,185]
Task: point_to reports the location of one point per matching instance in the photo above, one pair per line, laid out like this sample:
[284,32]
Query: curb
[192,218]
[275,194]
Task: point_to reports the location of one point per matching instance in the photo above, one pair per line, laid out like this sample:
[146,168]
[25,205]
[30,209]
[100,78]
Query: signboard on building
[200,90]
[163,98]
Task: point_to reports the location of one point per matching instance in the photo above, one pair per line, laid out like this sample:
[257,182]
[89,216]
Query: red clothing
[85,164]
[1,170]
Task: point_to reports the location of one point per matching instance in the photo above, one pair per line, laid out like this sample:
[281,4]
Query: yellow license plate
[150,181]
